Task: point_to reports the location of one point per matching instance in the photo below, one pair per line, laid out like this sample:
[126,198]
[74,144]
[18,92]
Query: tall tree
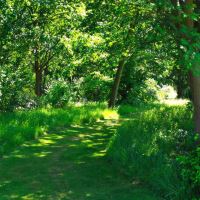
[33,30]
[194,72]
[189,31]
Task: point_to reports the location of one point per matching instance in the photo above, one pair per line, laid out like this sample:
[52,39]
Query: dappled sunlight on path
[67,164]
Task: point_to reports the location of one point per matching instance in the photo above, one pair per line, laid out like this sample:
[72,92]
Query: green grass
[68,164]
[80,155]
[21,126]
[145,148]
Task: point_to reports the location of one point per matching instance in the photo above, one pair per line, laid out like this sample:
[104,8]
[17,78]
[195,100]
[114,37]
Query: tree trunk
[38,79]
[195,87]
[180,92]
[115,88]
[194,78]
[38,73]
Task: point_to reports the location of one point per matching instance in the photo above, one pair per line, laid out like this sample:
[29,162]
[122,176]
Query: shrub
[14,90]
[149,91]
[96,87]
[58,93]
[190,170]
[143,93]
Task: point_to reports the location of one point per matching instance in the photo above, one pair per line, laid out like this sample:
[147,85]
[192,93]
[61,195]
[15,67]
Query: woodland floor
[67,164]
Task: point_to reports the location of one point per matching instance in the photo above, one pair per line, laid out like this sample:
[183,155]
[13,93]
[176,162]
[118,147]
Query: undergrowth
[147,146]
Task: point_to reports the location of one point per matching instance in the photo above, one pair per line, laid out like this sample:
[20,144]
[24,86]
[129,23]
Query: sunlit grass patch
[18,127]
[110,114]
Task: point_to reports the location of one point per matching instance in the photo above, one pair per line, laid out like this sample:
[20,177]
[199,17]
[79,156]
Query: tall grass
[18,127]
[146,146]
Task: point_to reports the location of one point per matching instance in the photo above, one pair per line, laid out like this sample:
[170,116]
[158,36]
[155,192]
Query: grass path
[67,164]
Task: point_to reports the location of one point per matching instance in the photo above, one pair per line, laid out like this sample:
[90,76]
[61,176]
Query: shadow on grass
[67,164]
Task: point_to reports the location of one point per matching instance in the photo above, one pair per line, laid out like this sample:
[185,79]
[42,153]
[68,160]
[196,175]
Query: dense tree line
[52,51]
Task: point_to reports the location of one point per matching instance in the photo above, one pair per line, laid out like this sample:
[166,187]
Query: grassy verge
[18,127]
[146,147]
[68,164]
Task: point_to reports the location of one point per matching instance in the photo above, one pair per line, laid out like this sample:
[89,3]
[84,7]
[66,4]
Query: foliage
[146,92]
[58,94]
[190,169]
[96,87]
[54,53]
[75,41]
[14,91]
[32,33]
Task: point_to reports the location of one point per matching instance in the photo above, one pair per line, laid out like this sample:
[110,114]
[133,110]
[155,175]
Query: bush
[149,92]
[58,93]
[144,93]
[96,87]
[145,148]
[190,170]
[14,90]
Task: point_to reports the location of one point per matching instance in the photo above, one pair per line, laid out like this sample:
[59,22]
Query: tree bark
[38,68]
[38,79]
[180,91]
[195,87]
[117,81]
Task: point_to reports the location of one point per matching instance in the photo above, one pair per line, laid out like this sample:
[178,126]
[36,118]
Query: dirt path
[67,164]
